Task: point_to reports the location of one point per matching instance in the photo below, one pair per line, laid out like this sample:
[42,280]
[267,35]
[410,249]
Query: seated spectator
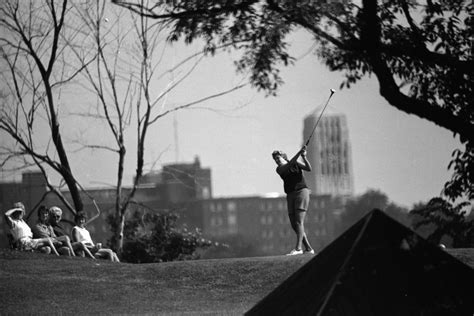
[42,229]
[21,233]
[13,245]
[81,234]
[55,215]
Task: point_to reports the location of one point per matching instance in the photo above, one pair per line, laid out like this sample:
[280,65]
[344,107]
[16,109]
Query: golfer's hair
[279,153]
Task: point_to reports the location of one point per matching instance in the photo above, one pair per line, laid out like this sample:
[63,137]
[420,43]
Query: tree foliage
[462,180]
[440,218]
[156,237]
[359,206]
[421,54]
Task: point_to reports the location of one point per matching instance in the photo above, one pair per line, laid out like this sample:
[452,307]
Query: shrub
[156,237]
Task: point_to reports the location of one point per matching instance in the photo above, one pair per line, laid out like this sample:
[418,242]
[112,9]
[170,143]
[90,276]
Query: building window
[263,220]
[231,206]
[268,205]
[269,219]
[206,193]
[281,205]
[232,219]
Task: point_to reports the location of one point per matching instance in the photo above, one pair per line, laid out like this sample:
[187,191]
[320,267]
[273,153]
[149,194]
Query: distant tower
[329,153]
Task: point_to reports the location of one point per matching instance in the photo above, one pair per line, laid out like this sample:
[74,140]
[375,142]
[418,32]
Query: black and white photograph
[237,157]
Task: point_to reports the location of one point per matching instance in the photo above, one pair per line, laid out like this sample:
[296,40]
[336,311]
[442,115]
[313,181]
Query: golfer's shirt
[293,179]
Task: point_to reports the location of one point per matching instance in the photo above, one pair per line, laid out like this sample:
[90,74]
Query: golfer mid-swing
[297,195]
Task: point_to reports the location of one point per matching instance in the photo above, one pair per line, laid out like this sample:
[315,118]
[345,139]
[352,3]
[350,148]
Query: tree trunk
[120,224]
[64,168]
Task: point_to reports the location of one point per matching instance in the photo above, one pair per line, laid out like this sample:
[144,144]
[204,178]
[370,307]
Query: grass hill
[33,283]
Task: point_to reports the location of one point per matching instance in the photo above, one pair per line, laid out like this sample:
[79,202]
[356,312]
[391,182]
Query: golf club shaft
[319,118]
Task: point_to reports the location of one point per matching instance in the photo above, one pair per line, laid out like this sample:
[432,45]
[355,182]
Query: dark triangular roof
[377,267]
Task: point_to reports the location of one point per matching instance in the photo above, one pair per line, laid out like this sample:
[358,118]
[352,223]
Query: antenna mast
[176,140]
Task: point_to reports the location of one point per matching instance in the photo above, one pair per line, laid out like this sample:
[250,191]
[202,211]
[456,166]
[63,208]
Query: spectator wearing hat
[21,233]
[43,229]
[55,216]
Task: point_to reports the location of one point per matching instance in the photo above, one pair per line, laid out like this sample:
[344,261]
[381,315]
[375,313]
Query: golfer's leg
[291,205]
[306,244]
[292,221]
[299,222]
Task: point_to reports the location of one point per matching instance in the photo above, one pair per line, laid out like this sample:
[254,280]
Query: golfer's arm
[295,158]
[306,166]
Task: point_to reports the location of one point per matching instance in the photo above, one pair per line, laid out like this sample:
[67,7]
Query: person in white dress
[81,234]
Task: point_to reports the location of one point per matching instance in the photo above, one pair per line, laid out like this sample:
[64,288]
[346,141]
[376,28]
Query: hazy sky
[402,155]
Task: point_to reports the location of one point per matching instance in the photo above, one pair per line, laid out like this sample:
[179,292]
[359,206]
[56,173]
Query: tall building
[329,153]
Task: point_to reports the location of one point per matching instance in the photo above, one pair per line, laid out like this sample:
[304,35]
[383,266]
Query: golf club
[320,115]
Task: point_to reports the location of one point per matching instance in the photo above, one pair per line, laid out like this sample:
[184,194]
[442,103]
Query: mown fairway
[42,284]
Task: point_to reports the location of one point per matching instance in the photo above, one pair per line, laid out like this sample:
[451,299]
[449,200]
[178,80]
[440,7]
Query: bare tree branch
[207,98]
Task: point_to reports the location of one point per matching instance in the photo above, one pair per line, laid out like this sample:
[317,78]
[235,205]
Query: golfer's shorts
[298,200]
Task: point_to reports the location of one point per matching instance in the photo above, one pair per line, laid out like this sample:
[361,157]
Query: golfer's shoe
[309,252]
[295,252]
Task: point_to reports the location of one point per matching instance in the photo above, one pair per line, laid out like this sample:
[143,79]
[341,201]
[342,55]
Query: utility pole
[176,140]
